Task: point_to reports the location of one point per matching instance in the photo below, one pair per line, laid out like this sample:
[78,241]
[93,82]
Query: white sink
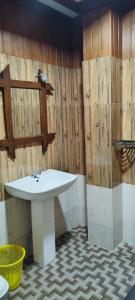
[49,184]
[41,192]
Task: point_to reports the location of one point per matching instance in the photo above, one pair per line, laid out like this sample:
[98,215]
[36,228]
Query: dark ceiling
[80,8]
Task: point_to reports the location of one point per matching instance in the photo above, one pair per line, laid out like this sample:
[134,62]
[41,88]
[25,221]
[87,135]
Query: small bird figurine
[43,78]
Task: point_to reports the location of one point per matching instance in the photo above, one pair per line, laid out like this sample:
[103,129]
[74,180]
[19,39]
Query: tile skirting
[111,215]
[105,217]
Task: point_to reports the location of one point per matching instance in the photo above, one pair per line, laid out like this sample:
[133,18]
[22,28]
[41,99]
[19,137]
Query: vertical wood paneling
[77,45]
[116,116]
[97,35]
[28,45]
[128,90]
[128,128]
[25,112]
[65,117]
[102,107]
[102,35]
[38,38]
[2,123]
[102,73]
[97,108]
[78,117]
[116,34]
[128,35]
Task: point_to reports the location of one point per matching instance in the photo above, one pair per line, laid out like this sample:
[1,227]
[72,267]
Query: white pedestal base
[43,230]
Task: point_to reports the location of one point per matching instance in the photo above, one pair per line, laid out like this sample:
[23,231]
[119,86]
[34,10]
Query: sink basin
[41,192]
[49,184]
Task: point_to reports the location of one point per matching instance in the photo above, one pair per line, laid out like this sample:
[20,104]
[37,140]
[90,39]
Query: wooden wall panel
[128,128]
[102,35]
[116,115]
[102,75]
[128,91]
[102,107]
[25,112]
[2,124]
[116,38]
[97,104]
[128,35]
[116,98]
[65,117]
[78,119]
[27,34]
[77,45]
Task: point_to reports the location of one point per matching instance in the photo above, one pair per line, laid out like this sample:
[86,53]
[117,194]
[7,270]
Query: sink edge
[41,196]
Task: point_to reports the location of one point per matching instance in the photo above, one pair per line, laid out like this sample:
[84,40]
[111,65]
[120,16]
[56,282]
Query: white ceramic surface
[3,224]
[129,213]
[105,216]
[4,287]
[49,184]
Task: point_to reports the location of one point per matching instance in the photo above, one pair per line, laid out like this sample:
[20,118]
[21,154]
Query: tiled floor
[80,272]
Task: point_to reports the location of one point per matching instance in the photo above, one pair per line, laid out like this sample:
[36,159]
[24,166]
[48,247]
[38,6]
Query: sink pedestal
[43,231]
[41,193]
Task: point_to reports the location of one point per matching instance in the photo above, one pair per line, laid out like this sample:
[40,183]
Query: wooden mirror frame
[11,143]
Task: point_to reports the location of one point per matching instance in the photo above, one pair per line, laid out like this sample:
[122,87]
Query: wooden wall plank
[102,75]
[38,38]
[65,117]
[128,35]
[97,112]
[102,35]
[102,113]
[128,90]
[128,107]
[2,123]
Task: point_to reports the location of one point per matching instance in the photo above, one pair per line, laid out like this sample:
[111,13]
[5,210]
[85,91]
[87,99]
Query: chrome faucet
[35,173]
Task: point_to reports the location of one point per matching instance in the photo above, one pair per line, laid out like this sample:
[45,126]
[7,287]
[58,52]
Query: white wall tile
[3,224]
[100,205]
[60,226]
[100,235]
[100,216]
[81,191]
[117,215]
[129,213]
[82,216]
[70,206]
[104,216]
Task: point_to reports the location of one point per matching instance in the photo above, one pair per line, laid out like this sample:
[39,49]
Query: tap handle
[34,173]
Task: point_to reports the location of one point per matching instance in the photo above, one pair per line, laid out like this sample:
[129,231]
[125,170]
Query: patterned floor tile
[81,271]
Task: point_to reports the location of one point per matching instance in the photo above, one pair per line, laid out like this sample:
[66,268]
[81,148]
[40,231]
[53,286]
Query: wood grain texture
[65,117]
[37,38]
[8,111]
[102,35]
[77,45]
[128,35]
[116,98]
[128,107]
[128,88]
[102,109]
[44,89]
[121,39]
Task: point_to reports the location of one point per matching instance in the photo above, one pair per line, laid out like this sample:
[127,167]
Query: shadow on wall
[60,222]
[19,223]
[15,221]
